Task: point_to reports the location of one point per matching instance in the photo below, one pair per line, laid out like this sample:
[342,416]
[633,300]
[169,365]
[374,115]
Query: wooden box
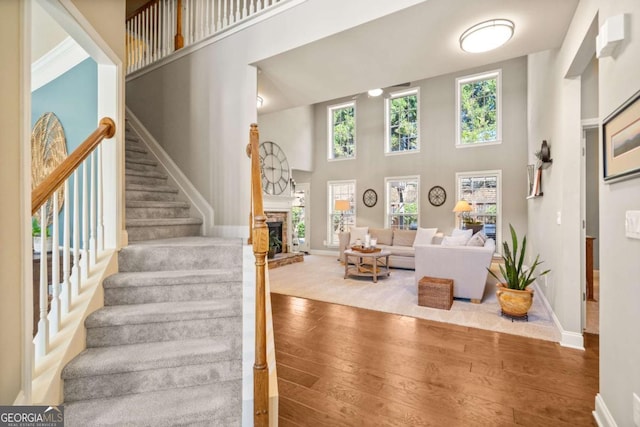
[435,292]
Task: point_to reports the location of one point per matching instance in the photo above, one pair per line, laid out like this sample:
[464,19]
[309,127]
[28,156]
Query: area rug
[322,278]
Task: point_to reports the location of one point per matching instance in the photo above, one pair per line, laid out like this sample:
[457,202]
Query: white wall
[200,106]
[292,130]
[554,106]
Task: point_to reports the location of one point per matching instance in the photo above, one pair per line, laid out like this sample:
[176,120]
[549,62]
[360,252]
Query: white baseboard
[567,338]
[56,62]
[601,415]
[231,231]
[199,203]
[324,252]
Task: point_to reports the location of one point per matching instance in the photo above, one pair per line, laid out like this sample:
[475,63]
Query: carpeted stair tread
[170,278]
[154,222]
[187,242]
[155,355]
[146,174]
[135,314]
[142,161]
[156,204]
[152,188]
[212,404]
[135,148]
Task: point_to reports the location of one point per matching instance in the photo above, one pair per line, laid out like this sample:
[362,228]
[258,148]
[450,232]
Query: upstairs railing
[260,242]
[161,27]
[81,235]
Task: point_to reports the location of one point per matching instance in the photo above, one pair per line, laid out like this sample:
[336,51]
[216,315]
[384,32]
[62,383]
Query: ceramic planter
[514,302]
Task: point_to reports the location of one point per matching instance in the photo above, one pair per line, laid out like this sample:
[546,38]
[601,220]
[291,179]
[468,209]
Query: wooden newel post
[260,241]
[178,39]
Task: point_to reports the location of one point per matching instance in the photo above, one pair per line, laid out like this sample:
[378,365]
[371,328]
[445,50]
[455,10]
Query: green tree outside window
[478,111]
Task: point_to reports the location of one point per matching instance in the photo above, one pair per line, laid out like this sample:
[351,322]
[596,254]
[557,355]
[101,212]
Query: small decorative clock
[370,198]
[275,168]
[437,195]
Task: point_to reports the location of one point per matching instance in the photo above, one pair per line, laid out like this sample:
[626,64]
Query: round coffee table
[367,264]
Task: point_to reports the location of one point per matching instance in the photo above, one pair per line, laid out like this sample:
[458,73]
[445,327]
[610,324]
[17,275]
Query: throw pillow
[383,235]
[454,240]
[403,237]
[357,233]
[458,232]
[477,239]
[424,236]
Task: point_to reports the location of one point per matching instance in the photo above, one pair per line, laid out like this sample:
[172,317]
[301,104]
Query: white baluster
[219,20]
[93,223]
[210,25]
[76,276]
[65,293]
[236,16]
[172,25]
[85,221]
[42,337]
[155,32]
[225,14]
[244,9]
[134,35]
[100,201]
[54,314]
[145,33]
[254,6]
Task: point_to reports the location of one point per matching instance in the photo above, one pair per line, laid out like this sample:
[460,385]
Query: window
[482,190]
[478,109]
[342,131]
[402,202]
[402,122]
[340,190]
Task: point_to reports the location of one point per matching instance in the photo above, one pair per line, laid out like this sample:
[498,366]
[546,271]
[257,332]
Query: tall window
[478,109]
[483,191]
[402,122]
[342,131]
[402,202]
[340,219]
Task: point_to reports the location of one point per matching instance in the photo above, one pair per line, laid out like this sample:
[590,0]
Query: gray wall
[292,130]
[438,159]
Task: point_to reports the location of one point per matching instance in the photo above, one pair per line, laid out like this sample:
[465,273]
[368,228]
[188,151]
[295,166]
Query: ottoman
[435,292]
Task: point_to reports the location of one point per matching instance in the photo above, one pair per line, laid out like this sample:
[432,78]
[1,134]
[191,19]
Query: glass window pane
[342,139]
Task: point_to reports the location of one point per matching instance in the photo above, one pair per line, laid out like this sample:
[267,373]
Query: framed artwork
[621,141]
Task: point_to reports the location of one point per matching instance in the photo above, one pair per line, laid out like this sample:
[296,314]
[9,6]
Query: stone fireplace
[277,226]
[278,210]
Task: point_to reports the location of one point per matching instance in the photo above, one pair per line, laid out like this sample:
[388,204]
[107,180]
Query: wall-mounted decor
[275,168]
[544,155]
[534,181]
[370,198]
[437,195]
[621,141]
[48,150]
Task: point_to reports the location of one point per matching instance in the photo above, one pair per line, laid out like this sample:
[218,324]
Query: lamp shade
[342,205]
[462,206]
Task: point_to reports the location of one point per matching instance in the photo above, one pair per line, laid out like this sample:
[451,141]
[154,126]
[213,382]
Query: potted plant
[514,296]
[274,244]
[36,233]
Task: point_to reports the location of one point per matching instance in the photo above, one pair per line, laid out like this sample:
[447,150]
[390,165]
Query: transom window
[482,190]
[342,131]
[337,219]
[402,122]
[478,109]
[402,202]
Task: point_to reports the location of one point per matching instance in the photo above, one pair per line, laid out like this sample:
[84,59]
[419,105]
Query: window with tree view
[402,113]
[479,109]
[482,190]
[403,204]
[338,220]
[342,131]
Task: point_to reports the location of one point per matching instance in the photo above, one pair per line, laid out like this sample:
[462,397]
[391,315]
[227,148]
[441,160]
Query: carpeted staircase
[166,349]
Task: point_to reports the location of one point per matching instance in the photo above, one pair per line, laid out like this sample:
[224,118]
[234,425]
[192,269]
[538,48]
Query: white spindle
[236,13]
[42,337]
[156,31]
[54,315]
[172,25]
[254,6]
[145,29]
[225,14]
[93,223]
[134,35]
[209,13]
[197,19]
[85,221]
[219,20]
[65,293]
[244,9]
[76,277]
[100,201]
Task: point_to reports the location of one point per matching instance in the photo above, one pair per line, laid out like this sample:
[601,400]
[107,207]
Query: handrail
[56,178]
[260,241]
[142,8]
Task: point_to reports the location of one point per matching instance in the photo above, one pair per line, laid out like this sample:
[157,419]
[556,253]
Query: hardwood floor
[345,366]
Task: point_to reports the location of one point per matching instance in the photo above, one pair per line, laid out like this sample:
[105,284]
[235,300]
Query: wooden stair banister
[260,242]
[51,183]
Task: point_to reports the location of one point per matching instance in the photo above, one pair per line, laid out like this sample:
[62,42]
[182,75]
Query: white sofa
[466,265]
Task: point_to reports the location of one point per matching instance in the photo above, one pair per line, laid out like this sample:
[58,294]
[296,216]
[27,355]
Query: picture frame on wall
[621,141]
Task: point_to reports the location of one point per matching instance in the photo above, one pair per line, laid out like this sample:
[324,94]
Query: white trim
[387,126]
[330,109]
[324,252]
[56,62]
[486,75]
[386,195]
[255,19]
[329,210]
[602,415]
[567,339]
[591,123]
[498,174]
[183,183]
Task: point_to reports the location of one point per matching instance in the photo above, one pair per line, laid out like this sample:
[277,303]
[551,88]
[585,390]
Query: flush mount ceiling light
[375,92]
[486,35]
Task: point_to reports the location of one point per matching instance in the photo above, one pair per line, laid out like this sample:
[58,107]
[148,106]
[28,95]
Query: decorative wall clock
[275,168]
[370,198]
[437,195]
